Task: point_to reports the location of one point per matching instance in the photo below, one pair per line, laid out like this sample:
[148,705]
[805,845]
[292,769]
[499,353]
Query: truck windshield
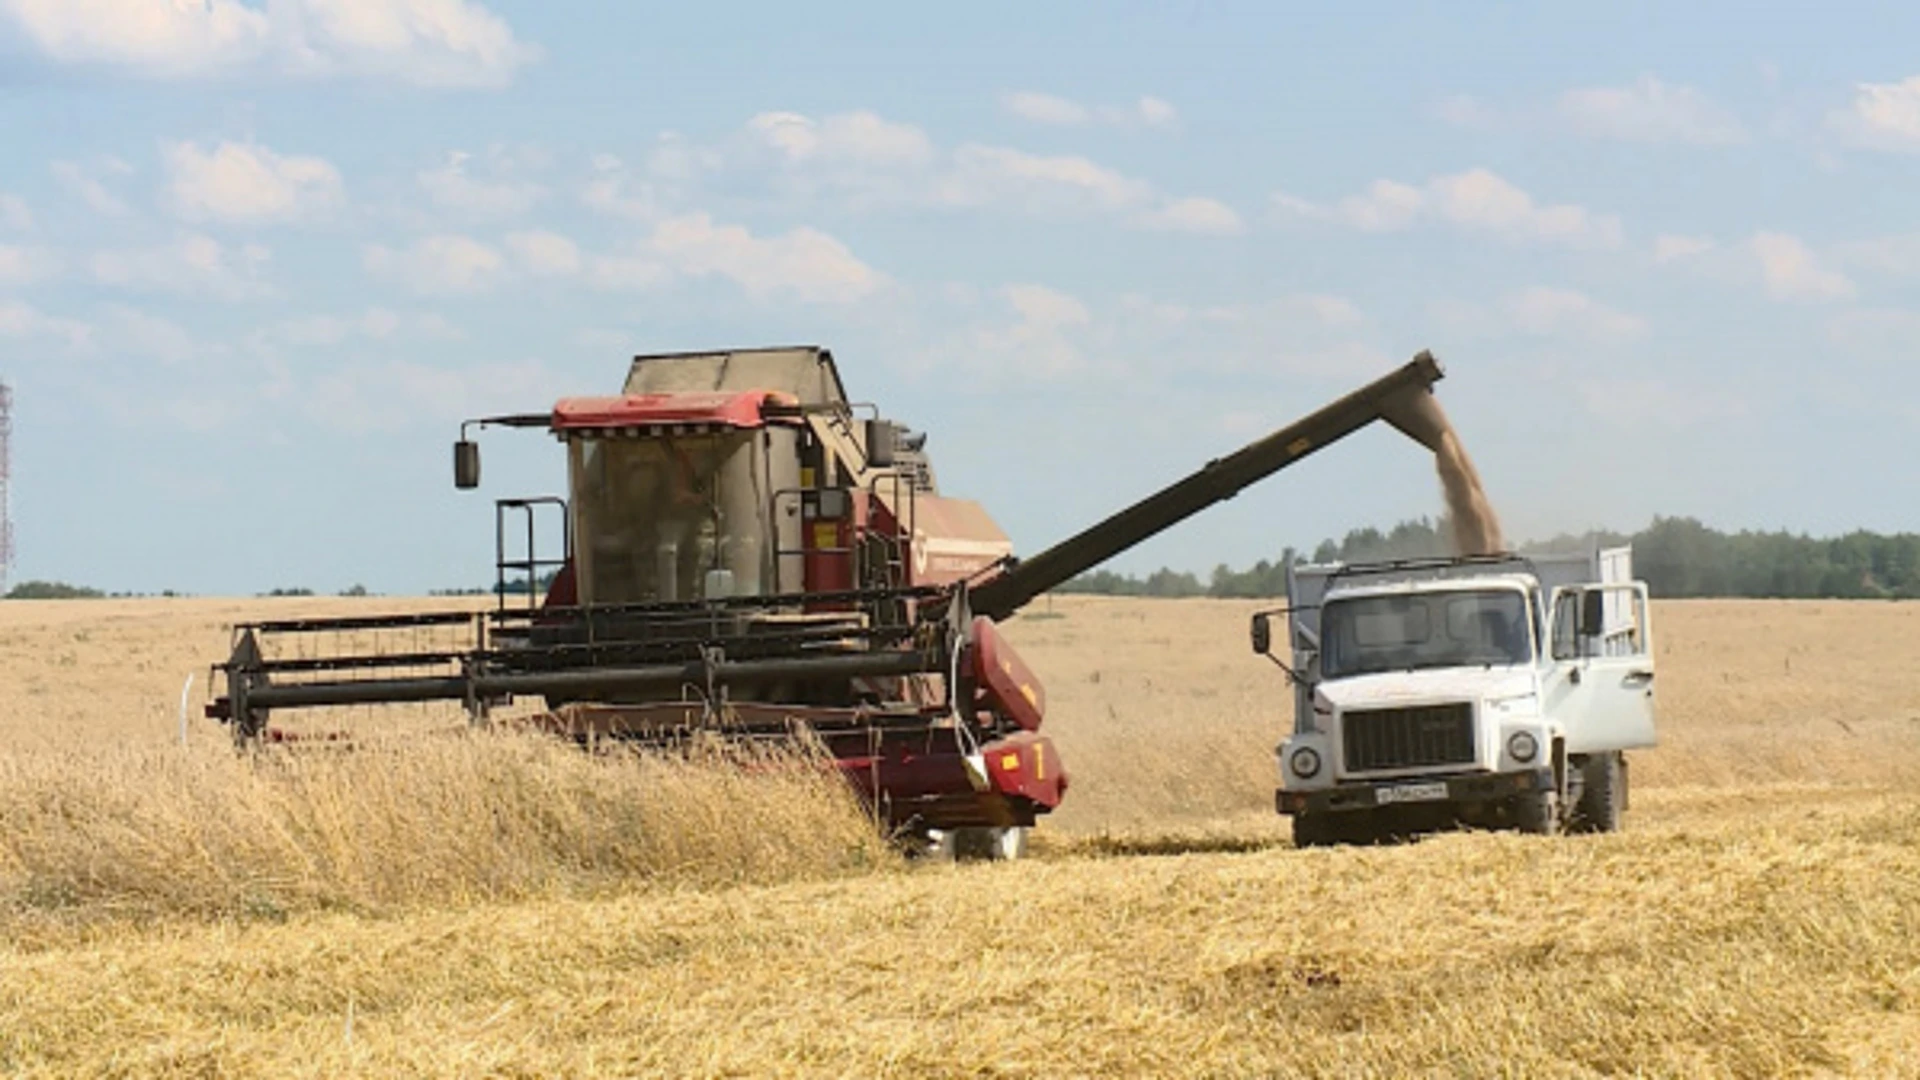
[1369,634]
[654,515]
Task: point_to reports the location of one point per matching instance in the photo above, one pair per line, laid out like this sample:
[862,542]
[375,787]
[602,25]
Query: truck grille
[1408,738]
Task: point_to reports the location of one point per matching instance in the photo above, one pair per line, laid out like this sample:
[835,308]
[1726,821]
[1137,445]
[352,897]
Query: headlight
[1305,763]
[1522,746]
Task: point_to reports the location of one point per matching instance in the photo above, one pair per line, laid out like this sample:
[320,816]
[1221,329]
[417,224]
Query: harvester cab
[744,551]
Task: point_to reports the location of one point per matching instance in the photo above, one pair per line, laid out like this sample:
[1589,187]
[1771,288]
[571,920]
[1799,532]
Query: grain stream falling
[1475,525]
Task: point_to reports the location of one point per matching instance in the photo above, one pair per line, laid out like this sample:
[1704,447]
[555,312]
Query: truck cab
[1489,691]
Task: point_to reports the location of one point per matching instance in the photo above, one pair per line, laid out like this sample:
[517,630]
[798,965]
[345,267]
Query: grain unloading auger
[744,555]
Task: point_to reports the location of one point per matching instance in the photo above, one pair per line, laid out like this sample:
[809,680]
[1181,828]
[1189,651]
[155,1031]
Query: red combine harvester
[746,555]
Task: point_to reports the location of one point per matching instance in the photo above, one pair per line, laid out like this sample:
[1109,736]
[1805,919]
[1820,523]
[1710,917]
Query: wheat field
[488,907]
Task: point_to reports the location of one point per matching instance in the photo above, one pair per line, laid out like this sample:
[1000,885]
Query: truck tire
[1328,830]
[1315,830]
[1537,812]
[1603,794]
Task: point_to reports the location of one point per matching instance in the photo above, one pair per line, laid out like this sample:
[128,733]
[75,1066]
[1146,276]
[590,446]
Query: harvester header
[746,552]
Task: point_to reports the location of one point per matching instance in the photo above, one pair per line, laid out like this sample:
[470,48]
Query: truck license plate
[1400,793]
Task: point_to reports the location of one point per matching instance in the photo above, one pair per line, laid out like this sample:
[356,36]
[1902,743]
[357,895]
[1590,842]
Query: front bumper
[1480,787]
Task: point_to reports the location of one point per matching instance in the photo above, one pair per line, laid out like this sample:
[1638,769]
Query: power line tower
[6,492]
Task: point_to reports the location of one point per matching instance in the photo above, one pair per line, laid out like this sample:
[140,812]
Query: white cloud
[1670,247]
[1792,272]
[865,160]
[1477,199]
[25,265]
[1333,310]
[1652,402]
[1466,111]
[1042,341]
[453,187]
[87,183]
[130,331]
[1551,312]
[14,213]
[1540,311]
[445,263]
[1154,112]
[545,254]
[372,324]
[1043,306]
[615,191]
[626,273]
[428,42]
[1045,108]
[602,339]
[1481,199]
[1028,331]
[862,137]
[393,395]
[20,322]
[1050,109]
[194,264]
[1384,207]
[1195,214]
[237,183]
[1883,115]
[984,175]
[1652,111]
[1647,110]
[804,263]
[156,38]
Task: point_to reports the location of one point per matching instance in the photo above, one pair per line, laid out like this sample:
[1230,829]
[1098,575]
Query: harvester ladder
[531,564]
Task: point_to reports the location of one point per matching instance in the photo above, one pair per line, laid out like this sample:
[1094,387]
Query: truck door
[1601,688]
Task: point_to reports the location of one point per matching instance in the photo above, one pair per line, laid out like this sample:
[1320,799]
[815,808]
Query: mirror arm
[1292,675]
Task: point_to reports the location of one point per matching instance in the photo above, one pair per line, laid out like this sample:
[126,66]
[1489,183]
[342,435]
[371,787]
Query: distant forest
[1677,557]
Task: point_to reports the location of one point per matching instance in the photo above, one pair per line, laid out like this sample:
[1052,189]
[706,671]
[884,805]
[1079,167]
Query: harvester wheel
[992,843]
[1603,794]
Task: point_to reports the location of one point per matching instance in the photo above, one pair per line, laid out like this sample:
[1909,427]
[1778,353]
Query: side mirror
[466,464]
[1593,613]
[1262,635]
[881,435]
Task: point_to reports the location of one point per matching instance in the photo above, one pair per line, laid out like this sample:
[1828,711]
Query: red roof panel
[739,409]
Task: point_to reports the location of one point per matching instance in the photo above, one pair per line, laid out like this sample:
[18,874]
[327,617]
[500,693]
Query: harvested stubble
[1781,938]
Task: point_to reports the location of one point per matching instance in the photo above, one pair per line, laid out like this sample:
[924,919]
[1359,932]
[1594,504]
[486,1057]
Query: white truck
[1487,691]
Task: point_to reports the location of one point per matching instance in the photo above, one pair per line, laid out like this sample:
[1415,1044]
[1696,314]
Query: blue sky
[257,259]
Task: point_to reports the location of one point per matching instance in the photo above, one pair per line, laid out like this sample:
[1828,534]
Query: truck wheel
[1314,830]
[1603,794]
[1537,812]
[1327,830]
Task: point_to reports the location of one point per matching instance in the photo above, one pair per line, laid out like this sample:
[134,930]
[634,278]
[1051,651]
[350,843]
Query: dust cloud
[1476,528]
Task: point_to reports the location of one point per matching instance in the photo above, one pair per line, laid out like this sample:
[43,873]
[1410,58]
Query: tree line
[1676,556]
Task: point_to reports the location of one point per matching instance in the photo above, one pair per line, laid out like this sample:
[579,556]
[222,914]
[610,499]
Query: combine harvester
[745,555]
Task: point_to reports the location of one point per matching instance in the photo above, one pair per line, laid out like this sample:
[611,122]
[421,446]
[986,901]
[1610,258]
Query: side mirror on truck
[466,464]
[1262,634]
